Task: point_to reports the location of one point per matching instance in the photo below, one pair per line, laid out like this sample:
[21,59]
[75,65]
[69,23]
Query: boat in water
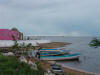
[61,57]
[54,52]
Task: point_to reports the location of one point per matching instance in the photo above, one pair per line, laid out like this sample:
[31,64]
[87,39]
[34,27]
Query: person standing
[38,54]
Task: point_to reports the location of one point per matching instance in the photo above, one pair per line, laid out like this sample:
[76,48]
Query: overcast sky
[52,17]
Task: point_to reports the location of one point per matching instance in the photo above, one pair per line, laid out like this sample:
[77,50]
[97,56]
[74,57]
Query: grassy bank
[11,66]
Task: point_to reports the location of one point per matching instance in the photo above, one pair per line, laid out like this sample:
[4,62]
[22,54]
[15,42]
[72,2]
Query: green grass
[11,66]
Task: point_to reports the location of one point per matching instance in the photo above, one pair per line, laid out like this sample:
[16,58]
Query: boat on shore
[61,57]
[54,52]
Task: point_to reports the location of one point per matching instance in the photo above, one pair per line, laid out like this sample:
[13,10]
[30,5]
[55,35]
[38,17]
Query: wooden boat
[49,52]
[61,57]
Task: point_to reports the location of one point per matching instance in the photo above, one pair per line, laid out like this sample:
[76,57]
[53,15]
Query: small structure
[6,34]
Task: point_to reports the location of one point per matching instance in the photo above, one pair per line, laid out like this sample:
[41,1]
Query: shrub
[11,66]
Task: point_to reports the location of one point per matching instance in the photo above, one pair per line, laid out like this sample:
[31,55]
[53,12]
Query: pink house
[6,34]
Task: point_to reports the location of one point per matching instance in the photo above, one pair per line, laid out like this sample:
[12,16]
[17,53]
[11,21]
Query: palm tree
[95,43]
[27,52]
[29,47]
[16,45]
[15,29]
[22,47]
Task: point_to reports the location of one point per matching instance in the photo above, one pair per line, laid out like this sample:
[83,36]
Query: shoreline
[73,71]
[76,69]
[68,70]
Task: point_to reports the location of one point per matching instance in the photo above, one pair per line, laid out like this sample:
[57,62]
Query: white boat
[49,52]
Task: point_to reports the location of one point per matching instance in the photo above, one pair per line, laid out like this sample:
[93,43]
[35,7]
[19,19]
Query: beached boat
[49,52]
[61,57]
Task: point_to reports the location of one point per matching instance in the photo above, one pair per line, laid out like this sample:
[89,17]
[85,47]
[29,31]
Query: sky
[51,17]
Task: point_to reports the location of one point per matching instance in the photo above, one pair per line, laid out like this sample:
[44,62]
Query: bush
[11,66]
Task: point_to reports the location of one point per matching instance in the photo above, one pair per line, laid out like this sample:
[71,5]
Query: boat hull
[53,52]
[62,57]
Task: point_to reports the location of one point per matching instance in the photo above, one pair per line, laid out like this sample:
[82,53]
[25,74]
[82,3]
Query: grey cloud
[51,17]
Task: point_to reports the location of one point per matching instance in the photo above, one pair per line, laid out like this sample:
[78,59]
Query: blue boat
[61,57]
[49,52]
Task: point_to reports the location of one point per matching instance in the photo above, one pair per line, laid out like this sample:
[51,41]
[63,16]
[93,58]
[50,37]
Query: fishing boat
[61,57]
[49,52]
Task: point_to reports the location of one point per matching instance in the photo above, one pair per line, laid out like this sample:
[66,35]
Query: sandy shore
[54,44]
[67,70]
[72,71]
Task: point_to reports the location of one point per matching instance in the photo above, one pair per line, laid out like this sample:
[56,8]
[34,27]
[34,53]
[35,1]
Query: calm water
[90,57]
